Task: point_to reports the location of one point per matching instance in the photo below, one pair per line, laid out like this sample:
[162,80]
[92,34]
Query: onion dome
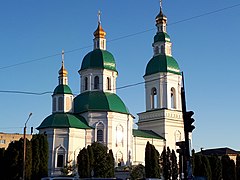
[99,33]
[161,37]
[99,101]
[64,120]
[162,63]
[62,89]
[99,59]
[62,72]
[160,16]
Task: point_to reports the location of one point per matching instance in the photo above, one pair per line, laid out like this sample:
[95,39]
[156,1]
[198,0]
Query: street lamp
[24,145]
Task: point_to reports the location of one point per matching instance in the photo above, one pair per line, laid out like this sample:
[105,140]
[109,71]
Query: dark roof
[218,151]
[146,134]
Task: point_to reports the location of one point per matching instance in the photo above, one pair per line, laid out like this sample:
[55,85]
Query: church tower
[99,103]
[98,71]
[62,97]
[65,131]
[163,79]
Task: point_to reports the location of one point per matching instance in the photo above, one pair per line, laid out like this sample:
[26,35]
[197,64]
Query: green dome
[162,63]
[161,37]
[98,58]
[62,89]
[64,120]
[99,101]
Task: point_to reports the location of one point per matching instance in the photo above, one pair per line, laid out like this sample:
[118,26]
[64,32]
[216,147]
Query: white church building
[99,114]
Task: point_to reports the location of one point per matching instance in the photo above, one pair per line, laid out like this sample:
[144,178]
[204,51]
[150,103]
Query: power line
[122,37]
[50,92]
[24,92]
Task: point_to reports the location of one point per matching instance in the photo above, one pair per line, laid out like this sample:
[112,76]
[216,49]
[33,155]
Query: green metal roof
[62,89]
[64,120]
[99,59]
[162,63]
[99,101]
[146,134]
[161,36]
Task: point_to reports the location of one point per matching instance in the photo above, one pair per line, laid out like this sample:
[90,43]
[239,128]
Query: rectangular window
[60,160]
[2,141]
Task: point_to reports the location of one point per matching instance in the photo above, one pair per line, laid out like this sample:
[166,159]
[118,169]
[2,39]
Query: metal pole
[187,162]
[24,145]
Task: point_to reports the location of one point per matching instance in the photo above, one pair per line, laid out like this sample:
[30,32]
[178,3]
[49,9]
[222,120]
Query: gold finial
[99,33]
[63,71]
[99,17]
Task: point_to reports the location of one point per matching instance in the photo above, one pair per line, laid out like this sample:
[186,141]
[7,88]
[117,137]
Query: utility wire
[24,92]
[123,37]
[50,92]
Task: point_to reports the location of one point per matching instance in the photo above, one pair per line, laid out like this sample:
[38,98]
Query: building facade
[7,138]
[97,113]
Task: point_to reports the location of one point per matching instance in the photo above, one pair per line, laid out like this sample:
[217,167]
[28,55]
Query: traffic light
[188,120]
[182,147]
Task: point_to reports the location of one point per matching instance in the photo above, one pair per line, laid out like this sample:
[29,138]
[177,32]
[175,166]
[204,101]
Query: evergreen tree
[2,163]
[148,162]
[14,160]
[91,158]
[28,164]
[100,160]
[206,168]
[111,163]
[228,168]
[43,165]
[83,164]
[168,164]
[216,167]
[174,166]
[35,157]
[152,167]
[202,166]
[197,161]
[238,167]
[137,172]
[232,169]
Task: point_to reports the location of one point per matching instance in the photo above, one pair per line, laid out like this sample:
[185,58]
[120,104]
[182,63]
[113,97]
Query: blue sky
[206,48]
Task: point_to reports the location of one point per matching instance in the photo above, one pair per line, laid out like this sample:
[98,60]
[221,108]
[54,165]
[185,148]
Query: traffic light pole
[187,161]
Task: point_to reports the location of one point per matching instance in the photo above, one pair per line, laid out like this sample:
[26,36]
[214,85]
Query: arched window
[100,132]
[173,98]
[60,157]
[178,136]
[96,82]
[54,104]
[68,103]
[154,98]
[60,103]
[86,83]
[108,83]
[119,157]
[119,136]
[156,50]
[162,49]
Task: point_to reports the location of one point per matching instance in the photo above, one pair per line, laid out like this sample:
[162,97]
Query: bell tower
[163,79]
